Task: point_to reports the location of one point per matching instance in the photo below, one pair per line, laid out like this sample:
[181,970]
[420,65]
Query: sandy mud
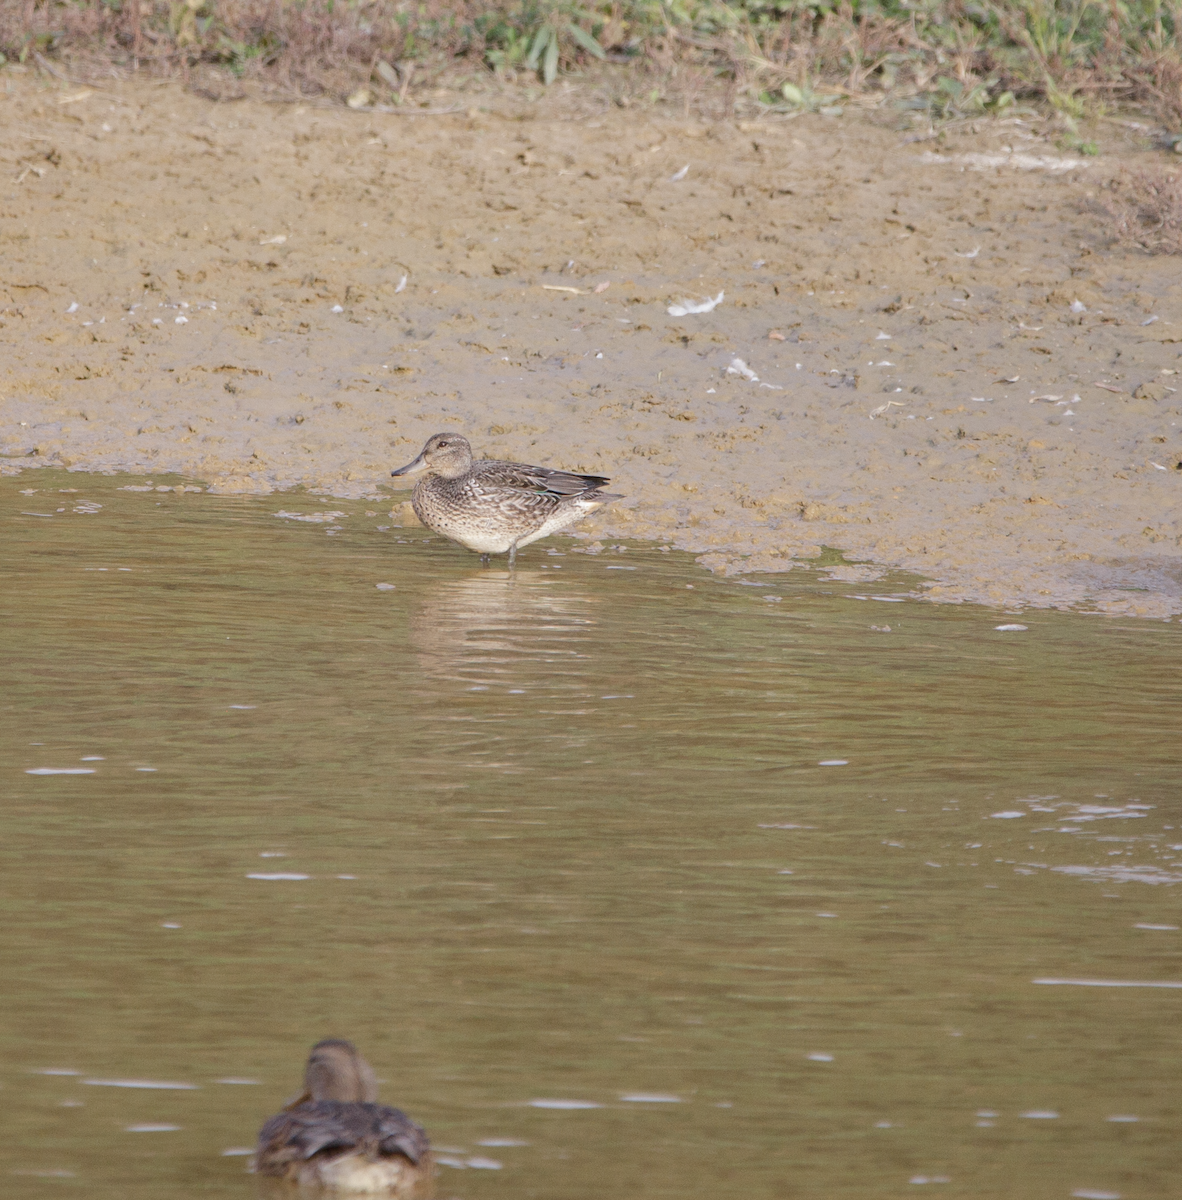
[942,366]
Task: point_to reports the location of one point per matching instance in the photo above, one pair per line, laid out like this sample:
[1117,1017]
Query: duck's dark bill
[412,468]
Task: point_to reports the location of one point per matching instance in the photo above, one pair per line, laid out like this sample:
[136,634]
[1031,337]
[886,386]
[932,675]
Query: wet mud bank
[924,355]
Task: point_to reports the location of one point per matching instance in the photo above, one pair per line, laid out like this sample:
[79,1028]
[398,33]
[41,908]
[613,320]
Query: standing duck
[493,507]
[336,1136]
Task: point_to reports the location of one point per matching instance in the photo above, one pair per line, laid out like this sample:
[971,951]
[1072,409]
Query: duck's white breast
[354,1173]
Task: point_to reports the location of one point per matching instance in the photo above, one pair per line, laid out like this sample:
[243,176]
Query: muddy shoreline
[953,374]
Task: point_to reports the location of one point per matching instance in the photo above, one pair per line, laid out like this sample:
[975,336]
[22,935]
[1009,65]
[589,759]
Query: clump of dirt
[1145,208]
[924,354]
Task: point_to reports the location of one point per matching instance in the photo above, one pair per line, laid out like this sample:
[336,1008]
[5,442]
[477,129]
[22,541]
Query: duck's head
[445,454]
[335,1071]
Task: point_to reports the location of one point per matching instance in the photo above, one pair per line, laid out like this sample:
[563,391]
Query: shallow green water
[565,836]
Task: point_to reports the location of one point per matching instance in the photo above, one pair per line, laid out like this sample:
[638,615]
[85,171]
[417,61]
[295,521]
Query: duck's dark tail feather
[567,483]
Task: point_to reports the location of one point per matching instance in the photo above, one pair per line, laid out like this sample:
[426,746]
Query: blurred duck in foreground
[496,507]
[335,1136]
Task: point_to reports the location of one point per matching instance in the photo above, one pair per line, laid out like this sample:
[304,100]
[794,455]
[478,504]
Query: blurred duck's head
[335,1071]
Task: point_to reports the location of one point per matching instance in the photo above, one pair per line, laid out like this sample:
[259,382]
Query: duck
[336,1137]
[496,507]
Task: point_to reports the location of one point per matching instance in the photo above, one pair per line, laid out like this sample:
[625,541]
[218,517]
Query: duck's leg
[512,554]
[484,560]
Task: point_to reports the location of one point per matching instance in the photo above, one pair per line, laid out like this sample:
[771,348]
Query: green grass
[952,58]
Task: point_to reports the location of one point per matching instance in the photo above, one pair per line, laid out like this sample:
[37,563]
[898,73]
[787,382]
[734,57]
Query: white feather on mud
[685,308]
[739,367]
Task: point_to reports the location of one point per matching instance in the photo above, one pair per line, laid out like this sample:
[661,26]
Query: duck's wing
[542,480]
[328,1125]
[307,1130]
[398,1134]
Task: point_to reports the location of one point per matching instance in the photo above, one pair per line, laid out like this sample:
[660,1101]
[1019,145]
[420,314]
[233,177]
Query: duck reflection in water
[501,628]
[336,1137]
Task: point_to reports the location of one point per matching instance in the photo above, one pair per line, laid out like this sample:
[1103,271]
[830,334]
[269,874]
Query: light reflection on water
[731,897]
